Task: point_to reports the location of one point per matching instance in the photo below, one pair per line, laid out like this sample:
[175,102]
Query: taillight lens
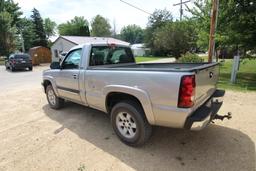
[13,61]
[187,91]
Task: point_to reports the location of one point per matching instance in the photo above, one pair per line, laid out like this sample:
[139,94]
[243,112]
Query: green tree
[7,32]
[157,20]
[49,27]
[38,29]
[201,16]
[9,17]
[100,26]
[28,33]
[236,27]
[132,34]
[175,38]
[13,9]
[78,26]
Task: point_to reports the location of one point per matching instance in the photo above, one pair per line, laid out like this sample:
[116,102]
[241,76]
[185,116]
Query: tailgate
[206,84]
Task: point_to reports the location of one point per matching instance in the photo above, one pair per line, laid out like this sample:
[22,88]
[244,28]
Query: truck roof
[101,43]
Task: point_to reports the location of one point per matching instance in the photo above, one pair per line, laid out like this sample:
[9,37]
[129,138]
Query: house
[64,43]
[40,54]
[139,50]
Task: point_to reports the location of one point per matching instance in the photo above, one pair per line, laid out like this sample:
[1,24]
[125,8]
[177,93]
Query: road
[20,78]
[35,137]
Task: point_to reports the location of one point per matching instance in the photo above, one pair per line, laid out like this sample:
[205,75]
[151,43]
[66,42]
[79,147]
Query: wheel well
[115,97]
[46,83]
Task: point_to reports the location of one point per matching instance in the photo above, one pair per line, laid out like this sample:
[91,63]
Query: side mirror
[55,65]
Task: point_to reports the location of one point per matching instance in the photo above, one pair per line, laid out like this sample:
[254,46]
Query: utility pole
[114,28]
[214,13]
[22,43]
[181,9]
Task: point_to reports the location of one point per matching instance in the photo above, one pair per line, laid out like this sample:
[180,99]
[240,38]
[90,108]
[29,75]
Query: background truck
[106,77]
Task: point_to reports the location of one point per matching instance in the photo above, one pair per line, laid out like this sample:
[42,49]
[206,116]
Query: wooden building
[40,55]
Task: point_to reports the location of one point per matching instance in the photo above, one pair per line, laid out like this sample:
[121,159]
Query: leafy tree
[175,38]
[7,32]
[9,17]
[13,9]
[28,33]
[201,16]
[78,26]
[236,27]
[38,29]
[49,27]
[100,26]
[132,34]
[157,20]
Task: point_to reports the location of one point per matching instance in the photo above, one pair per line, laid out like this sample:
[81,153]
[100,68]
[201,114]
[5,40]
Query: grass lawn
[146,58]
[246,77]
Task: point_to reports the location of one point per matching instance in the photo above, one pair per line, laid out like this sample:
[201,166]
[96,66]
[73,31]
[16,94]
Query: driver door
[67,80]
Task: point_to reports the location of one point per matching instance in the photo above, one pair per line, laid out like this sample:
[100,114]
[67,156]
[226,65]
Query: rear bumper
[204,114]
[21,66]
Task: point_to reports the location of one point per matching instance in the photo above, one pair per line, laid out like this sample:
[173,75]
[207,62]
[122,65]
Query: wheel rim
[51,97]
[126,125]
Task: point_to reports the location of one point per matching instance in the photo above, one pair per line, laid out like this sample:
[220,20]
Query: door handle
[75,76]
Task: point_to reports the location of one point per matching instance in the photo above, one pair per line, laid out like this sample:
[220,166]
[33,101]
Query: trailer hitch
[222,117]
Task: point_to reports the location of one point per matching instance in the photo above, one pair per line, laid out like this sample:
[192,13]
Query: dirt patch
[35,137]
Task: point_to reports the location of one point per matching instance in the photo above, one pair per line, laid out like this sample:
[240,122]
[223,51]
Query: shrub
[190,58]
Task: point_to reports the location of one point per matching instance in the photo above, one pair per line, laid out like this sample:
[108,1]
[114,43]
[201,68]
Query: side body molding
[141,95]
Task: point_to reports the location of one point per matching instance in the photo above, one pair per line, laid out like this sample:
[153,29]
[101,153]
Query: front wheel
[30,68]
[130,124]
[54,101]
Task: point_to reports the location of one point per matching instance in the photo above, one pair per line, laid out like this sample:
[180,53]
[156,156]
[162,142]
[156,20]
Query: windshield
[106,55]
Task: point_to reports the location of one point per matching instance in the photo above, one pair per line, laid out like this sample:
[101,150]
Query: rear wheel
[30,68]
[54,101]
[130,124]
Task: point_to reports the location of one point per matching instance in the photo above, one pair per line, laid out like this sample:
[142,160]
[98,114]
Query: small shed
[40,54]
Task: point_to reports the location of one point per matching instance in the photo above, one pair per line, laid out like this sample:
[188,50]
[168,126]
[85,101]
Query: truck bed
[178,67]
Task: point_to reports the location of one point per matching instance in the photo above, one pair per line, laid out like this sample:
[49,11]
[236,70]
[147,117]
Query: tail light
[187,91]
[13,61]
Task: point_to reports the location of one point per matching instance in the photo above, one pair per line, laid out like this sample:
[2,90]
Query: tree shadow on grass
[215,148]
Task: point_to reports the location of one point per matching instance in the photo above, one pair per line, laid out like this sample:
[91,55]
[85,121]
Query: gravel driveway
[35,137]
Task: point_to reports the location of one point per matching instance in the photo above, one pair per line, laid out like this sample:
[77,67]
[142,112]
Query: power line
[136,7]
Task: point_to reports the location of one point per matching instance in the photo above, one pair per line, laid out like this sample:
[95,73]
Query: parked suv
[19,61]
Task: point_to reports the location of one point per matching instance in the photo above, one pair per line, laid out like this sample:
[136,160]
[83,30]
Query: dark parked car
[19,61]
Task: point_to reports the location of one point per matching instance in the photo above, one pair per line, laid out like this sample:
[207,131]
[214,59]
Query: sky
[116,11]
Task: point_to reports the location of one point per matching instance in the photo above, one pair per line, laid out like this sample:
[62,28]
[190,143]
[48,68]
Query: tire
[30,68]
[54,101]
[136,135]
[12,68]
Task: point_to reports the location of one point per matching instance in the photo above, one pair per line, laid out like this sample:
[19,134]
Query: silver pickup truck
[106,77]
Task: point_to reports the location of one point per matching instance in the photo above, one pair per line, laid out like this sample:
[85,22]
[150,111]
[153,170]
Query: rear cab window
[107,55]
[25,57]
